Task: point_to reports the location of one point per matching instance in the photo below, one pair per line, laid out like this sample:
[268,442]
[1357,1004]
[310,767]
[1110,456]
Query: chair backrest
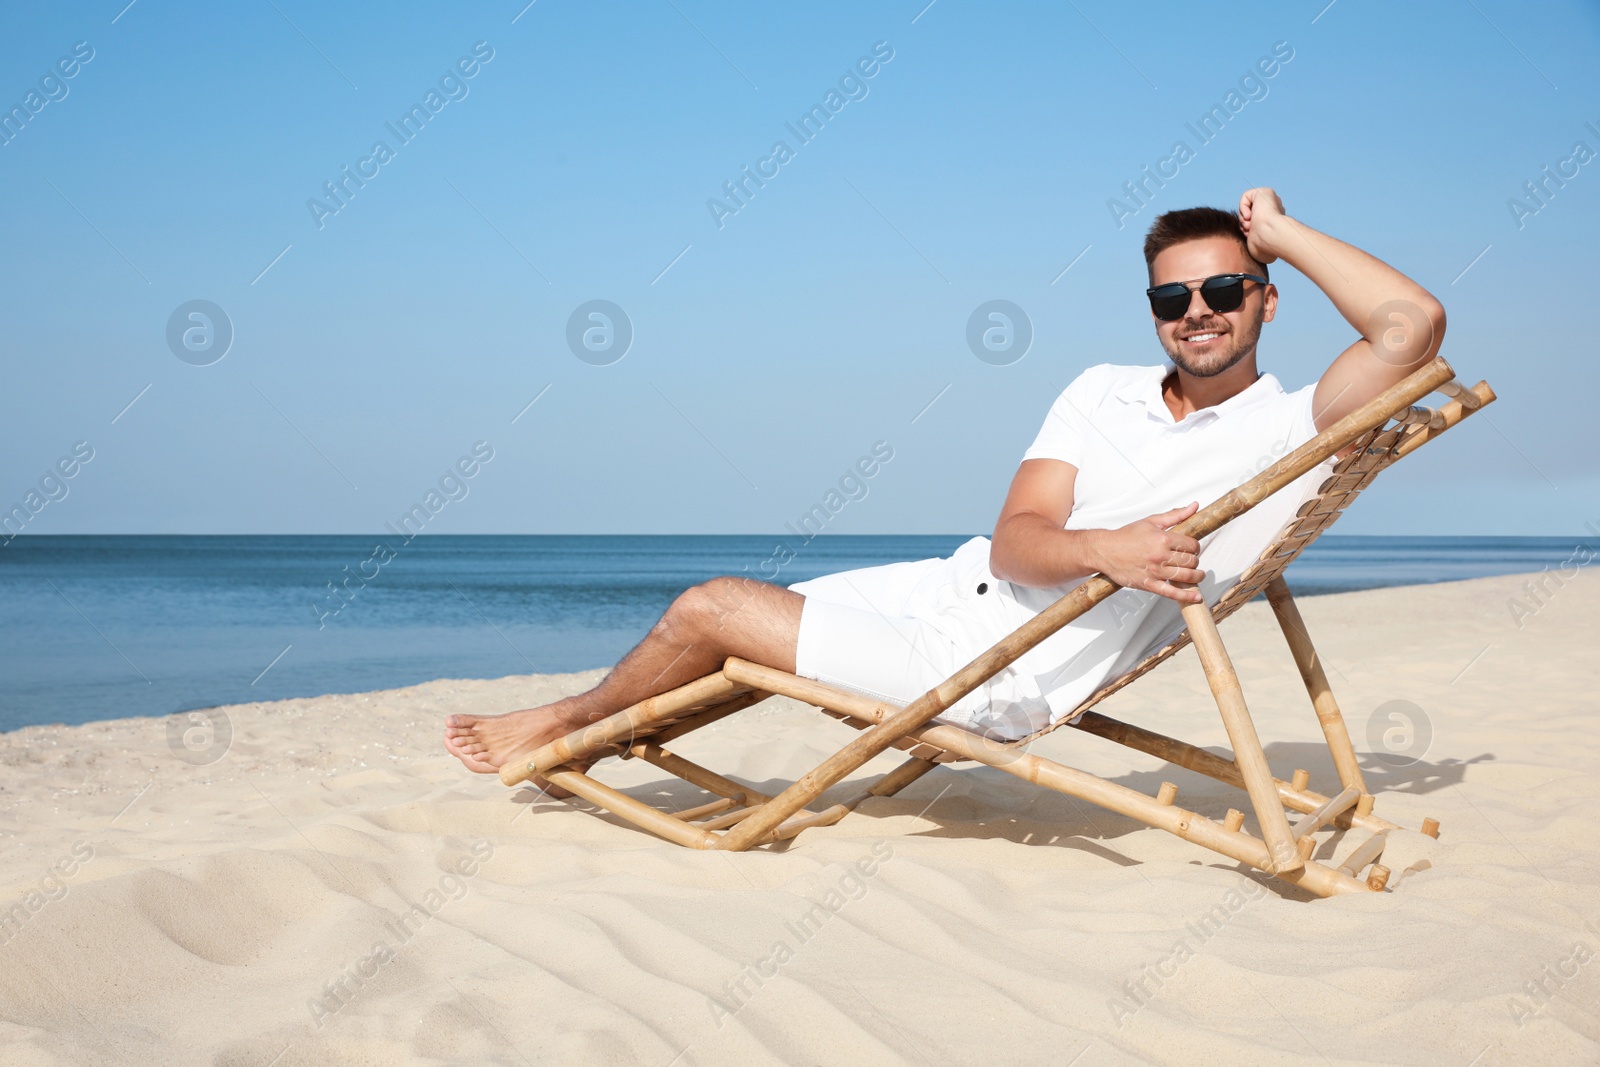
[1369,456]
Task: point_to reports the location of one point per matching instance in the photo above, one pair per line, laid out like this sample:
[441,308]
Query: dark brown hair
[1193,223]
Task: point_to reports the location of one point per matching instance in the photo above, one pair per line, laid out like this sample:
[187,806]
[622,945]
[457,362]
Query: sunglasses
[1221,292]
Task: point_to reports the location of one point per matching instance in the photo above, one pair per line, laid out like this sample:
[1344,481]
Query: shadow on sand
[973,801]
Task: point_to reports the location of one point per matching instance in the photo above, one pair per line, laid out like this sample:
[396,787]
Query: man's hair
[1193,223]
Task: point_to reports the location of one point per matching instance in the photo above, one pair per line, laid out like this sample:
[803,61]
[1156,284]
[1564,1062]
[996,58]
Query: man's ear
[1269,302]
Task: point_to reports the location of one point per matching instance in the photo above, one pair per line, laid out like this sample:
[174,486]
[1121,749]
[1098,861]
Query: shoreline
[599,671]
[168,627]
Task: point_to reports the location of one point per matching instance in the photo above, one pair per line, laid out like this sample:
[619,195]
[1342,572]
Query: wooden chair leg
[701,811]
[710,781]
[1316,681]
[1202,762]
[900,777]
[890,725]
[1247,752]
[888,785]
[636,812]
[1366,852]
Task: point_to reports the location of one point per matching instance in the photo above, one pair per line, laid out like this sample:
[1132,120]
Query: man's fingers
[1178,545]
[1184,575]
[1171,518]
[1163,562]
[1186,545]
[1183,594]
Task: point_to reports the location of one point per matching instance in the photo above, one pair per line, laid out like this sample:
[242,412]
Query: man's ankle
[577,716]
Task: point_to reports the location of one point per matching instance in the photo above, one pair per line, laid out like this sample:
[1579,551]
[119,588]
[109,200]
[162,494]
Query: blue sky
[771,352]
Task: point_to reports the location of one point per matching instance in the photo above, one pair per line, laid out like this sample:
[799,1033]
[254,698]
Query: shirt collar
[1145,388]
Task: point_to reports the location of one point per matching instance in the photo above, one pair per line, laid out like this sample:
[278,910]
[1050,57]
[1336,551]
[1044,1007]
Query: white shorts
[856,632]
[869,631]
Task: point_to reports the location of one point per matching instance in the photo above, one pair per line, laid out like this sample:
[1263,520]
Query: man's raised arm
[1400,322]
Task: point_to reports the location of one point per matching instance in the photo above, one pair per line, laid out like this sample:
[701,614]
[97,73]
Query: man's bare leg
[703,627]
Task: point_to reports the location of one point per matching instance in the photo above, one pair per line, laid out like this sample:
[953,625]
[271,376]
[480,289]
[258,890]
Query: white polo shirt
[1133,461]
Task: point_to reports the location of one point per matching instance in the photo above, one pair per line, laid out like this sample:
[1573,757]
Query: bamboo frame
[1316,682]
[1366,852]
[1326,813]
[628,723]
[741,817]
[1247,753]
[1040,771]
[635,811]
[695,774]
[1203,762]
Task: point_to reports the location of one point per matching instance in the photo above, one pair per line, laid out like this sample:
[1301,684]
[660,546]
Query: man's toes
[474,762]
[468,751]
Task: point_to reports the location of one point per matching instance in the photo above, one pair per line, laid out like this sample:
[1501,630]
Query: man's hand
[1032,549]
[1400,323]
[1260,213]
[1147,555]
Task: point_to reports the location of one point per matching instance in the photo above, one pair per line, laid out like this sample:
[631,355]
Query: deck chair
[737,818]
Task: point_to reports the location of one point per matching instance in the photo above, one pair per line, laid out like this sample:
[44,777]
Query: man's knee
[710,605]
[693,608]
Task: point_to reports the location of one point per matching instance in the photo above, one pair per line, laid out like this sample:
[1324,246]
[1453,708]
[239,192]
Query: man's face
[1204,343]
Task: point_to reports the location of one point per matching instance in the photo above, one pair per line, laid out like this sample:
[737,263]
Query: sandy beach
[319,883]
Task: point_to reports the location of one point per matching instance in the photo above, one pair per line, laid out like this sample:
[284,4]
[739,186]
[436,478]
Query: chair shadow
[1196,792]
[1005,808]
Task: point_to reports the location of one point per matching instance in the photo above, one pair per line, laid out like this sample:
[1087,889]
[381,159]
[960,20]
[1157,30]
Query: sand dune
[335,889]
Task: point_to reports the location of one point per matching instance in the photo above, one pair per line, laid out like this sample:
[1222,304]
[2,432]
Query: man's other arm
[1400,322]
[1030,547]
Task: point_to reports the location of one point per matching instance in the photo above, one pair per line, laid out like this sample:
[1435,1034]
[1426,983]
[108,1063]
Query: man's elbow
[1410,333]
[1434,311]
[1000,552]
[1429,334]
[1004,546]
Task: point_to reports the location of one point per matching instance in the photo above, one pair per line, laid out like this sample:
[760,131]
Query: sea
[105,627]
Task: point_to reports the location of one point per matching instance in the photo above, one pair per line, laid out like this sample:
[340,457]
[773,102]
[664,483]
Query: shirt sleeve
[1065,427]
[1303,423]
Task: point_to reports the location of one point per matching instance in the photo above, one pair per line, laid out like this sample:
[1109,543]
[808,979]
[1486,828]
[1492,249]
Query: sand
[333,888]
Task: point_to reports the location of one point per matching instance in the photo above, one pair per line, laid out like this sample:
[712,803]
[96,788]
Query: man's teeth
[1202,337]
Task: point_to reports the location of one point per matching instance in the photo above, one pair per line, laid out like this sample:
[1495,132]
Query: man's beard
[1239,345]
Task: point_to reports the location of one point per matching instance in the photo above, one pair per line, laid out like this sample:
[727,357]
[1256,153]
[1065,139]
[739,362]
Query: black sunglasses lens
[1169,302]
[1223,294]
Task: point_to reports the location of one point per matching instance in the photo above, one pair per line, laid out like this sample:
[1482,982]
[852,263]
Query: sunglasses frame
[1200,287]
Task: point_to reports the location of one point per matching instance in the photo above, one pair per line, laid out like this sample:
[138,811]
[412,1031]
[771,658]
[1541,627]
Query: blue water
[106,627]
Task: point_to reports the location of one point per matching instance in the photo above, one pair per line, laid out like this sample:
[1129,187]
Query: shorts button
[983,587]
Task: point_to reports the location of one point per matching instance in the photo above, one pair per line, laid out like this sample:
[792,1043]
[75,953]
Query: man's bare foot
[483,743]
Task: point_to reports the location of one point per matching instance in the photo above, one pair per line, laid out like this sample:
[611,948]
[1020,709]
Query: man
[1125,454]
